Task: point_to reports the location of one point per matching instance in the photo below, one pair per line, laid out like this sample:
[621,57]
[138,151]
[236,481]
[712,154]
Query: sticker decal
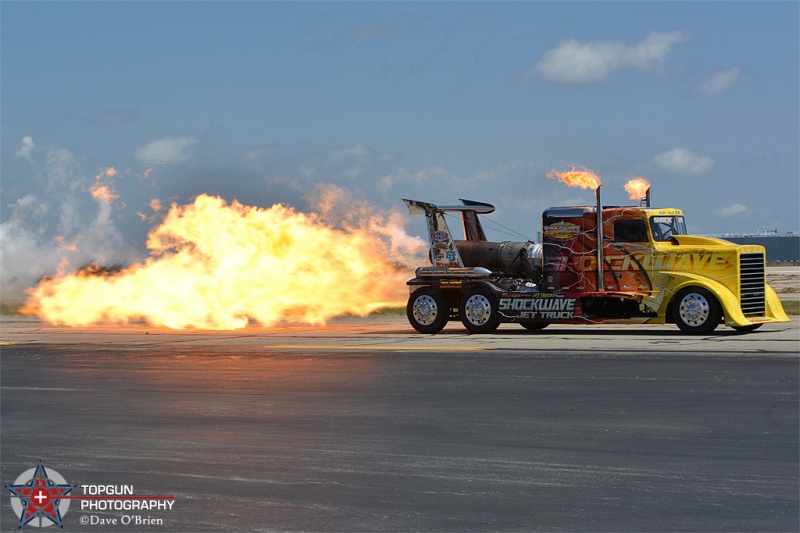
[547,308]
[561,230]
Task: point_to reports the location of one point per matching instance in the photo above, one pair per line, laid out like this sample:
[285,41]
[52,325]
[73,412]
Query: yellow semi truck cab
[649,256]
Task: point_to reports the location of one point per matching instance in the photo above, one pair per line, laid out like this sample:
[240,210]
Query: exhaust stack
[645,202]
[600,259]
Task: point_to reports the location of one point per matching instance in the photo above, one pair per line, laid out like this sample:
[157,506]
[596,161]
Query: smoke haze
[65,243]
[60,228]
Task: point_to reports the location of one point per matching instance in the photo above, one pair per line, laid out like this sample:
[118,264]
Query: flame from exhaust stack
[637,188]
[215,265]
[585,179]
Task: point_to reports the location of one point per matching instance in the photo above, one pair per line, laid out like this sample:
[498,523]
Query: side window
[630,231]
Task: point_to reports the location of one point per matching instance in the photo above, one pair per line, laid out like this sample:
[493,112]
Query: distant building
[778,247]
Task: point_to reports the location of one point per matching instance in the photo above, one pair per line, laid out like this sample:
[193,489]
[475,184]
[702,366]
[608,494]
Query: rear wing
[444,252]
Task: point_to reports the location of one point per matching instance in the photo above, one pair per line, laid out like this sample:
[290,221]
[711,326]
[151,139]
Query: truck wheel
[478,312]
[747,329]
[427,312]
[534,326]
[696,311]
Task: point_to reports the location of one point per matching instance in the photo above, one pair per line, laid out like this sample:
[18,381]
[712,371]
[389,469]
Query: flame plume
[637,188]
[215,265]
[104,192]
[585,179]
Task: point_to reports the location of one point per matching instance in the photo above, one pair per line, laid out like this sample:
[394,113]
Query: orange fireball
[637,188]
[219,265]
[585,179]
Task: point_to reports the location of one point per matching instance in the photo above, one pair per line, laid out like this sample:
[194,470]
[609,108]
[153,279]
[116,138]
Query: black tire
[478,311]
[696,311]
[427,312]
[747,329]
[534,326]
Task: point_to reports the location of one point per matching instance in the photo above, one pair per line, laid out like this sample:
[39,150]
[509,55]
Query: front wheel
[747,329]
[478,312]
[426,311]
[696,311]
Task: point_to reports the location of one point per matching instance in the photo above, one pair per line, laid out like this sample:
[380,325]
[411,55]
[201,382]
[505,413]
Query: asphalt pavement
[364,425]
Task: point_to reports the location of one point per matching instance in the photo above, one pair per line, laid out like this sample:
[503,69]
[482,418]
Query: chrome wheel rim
[478,309]
[425,310]
[694,309]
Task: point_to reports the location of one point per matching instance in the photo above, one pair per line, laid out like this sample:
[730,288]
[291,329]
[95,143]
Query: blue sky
[261,101]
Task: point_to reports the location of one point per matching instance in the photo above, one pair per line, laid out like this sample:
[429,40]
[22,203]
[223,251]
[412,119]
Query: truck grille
[751,284]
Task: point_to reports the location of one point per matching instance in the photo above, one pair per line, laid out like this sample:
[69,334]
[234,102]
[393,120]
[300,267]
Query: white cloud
[357,162]
[343,154]
[720,81]
[428,175]
[166,151]
[731,210]
[682,161]
[27,147]
[578,62]
[384,185]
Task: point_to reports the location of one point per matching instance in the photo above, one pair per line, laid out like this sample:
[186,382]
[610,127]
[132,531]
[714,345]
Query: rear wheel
[478,312]
[534,326]
[426,311]
[696,311]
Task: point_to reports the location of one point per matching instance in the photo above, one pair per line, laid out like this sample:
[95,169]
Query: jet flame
[585,179]
[219,265]
[637,188]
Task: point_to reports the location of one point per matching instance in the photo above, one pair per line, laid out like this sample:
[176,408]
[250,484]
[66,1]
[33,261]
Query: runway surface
[363,425]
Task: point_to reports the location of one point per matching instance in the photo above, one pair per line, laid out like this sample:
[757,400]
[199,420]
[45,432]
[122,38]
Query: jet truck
[595,264]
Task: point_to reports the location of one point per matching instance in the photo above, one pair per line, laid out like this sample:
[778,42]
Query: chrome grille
[751,284]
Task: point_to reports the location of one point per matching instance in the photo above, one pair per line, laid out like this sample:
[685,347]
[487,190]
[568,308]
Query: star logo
[39,496]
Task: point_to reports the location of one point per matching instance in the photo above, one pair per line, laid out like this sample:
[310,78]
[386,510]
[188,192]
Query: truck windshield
[664,228]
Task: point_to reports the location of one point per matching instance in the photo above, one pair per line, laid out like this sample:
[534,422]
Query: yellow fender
[673,282]
[775,307]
